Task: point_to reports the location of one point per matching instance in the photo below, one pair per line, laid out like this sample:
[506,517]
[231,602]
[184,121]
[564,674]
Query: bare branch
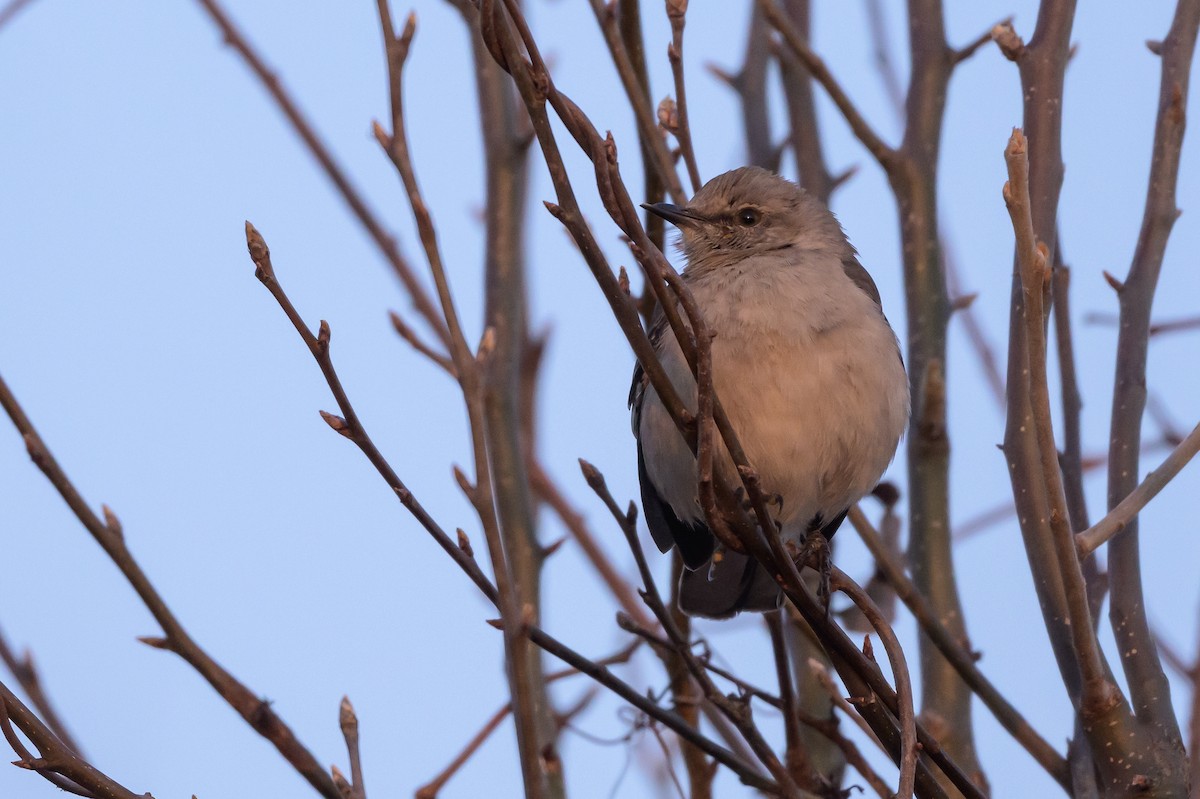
[1126,511]
[1149,690]
[884,154]
[27,676]
[304,129]
[257,713]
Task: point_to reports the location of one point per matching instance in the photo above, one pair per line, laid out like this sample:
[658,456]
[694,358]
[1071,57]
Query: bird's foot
[814,552]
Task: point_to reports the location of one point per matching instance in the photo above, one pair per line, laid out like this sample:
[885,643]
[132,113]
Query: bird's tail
[722,588]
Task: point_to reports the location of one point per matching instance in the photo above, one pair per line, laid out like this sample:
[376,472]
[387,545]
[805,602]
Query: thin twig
[960,657]
[307,133]
[891,645]
[351,427]
[676,13]
[107,533]
[432,788]
[54,760]
[348,722]
[737,713]
[1127,510]
[618,586]
[648,131]
[875,145]
[27,676]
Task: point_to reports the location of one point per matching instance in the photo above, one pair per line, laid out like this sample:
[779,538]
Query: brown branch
[348,722]
[55,761]
[737,713]
[491,386]
[643,112]
[1034,273]
[1126,511]
[256,712]
[304,129]
[795,755]
[617,585]
[750,84]
[891,644]
[1071,458]
[676,14]
[883,153]
[537,89]
[353,429]
[805,137]
[1149,690]
[959,656]
[431,789]
[27,676]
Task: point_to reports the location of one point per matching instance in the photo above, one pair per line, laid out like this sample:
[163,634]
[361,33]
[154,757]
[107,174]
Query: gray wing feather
[859,276]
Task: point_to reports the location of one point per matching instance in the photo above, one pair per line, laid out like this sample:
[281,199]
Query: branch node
[464,543]
[155,642]
[1006,38]
[113,523]
[338,424]
[341,783]
[323,337]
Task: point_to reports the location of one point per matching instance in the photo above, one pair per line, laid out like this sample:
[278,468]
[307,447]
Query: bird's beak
[680,217]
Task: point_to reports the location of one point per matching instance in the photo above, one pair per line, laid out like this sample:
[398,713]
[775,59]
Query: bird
[804,363]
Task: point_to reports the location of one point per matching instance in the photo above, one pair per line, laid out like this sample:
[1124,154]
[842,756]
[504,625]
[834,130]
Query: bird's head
[750,211]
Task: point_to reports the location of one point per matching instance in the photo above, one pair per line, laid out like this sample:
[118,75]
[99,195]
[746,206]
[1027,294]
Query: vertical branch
[945,698]
[805,140]
[677,14]
[492,385]
[802,109]
[506,151]
[1071,458]
[629,26]
[796,755]
[649,133]
[1148,687]
[1042,65]
[1098,692]
[750,83]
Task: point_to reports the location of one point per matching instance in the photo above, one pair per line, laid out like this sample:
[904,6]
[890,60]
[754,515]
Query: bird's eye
[748,217]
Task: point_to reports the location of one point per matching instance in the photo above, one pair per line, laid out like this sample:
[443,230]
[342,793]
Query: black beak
[680,217]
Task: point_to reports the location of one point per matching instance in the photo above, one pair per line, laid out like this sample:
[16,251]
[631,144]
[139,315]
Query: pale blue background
[170,385]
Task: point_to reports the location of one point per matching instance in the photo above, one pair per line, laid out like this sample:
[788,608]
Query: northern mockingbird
[803,361]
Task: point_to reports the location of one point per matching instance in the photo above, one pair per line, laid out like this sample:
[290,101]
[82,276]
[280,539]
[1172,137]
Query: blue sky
[171,387]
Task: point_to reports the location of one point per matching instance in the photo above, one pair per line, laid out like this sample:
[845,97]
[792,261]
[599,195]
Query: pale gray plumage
[804,363]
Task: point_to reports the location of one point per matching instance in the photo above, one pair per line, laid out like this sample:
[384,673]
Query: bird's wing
[861,278]
[694,539]
[695,542]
